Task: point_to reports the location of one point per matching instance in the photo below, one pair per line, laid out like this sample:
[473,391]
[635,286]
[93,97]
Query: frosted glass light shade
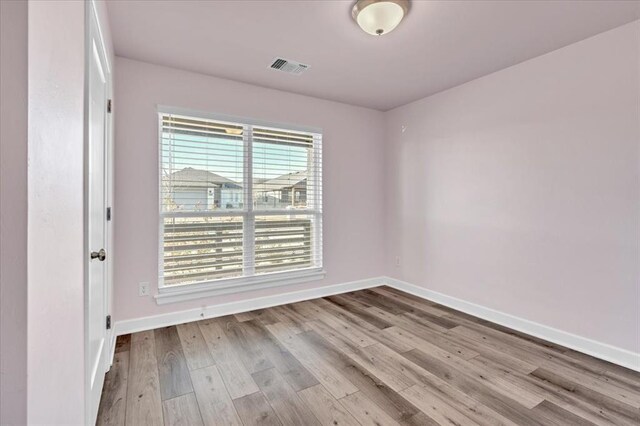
[378,17]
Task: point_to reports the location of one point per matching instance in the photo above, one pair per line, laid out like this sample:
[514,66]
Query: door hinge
[108,105]
[108,322]
[108,213]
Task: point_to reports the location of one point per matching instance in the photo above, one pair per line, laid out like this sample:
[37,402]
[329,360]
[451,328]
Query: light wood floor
[372,357]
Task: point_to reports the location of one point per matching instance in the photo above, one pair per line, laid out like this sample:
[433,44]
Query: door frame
[92,16]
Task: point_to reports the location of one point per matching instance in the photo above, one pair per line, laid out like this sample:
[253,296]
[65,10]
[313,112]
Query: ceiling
[439,45]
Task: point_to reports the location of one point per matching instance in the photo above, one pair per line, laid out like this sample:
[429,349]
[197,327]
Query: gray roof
[196,178]
[284,181]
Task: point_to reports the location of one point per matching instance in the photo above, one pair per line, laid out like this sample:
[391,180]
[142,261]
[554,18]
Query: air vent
[291,67]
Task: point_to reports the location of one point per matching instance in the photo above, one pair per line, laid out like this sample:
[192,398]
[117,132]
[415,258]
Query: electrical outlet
[397,260]
[143,289]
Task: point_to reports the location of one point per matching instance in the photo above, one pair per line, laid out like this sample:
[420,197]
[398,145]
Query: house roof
[285,181]
[196,178]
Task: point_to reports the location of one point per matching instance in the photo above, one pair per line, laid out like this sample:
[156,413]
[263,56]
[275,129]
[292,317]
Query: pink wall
[517,191]
[56,251]
[353,175]
[13,212]
[520,190]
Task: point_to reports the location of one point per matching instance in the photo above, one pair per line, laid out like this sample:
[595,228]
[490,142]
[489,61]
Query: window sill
[186,292]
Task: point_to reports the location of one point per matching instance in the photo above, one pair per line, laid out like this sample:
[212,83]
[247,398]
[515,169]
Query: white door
[96,292]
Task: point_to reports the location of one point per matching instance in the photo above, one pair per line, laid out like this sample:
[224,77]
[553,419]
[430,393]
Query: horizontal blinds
[212,227]
[286,169]
[200,249]
[281,137]
[284,243]
[202,165]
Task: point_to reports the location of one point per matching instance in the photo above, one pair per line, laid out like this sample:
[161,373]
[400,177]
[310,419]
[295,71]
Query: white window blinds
[237,200]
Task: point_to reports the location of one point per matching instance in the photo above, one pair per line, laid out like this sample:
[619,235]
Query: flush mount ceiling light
[378,17]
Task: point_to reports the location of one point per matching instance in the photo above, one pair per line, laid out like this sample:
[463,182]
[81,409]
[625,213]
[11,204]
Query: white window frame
[247,282]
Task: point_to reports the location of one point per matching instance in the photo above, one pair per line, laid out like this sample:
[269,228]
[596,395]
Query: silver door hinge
[108,322]
[108,105]
[108,213]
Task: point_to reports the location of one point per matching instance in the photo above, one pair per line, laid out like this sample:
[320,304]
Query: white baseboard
[596,349]
[591,347]
[174,318]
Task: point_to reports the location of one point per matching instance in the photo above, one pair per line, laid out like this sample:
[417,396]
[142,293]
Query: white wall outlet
[143,289]
[397,260]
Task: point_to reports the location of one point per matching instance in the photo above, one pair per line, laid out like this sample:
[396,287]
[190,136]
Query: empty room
[319,212]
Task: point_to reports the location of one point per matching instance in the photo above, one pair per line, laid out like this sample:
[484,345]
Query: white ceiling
[440,44]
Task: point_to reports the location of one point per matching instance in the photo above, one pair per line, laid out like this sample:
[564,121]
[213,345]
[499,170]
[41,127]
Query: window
[239,201]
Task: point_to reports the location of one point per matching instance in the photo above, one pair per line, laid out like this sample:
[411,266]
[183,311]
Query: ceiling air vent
[291,67]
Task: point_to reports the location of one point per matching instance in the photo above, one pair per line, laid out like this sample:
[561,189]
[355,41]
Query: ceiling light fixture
[378,17]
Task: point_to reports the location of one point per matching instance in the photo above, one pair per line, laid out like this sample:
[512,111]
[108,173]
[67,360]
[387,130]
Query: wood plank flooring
[371,357]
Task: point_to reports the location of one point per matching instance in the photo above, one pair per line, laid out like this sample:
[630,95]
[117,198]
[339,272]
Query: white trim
[160,201]
[94,9]
[585,345]
[249,219]
[180,293]
[239,212]
[173,318]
